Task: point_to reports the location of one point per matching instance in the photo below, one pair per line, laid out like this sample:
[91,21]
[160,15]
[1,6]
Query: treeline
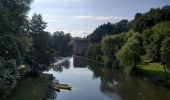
[125,44]
[26,49]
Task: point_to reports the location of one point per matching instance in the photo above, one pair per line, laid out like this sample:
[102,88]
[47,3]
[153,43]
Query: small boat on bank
[57,86]
[61,86]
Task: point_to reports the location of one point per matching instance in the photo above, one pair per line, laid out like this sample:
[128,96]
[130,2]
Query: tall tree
[153,38]
[110,46]
[165,54]
[129,55]
[61,42]
[41,54]
[14,41]
[37,24]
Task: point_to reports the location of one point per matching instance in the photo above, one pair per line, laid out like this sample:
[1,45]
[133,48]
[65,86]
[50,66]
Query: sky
[82,17]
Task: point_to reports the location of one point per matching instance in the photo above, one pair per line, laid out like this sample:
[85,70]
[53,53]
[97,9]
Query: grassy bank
[31,89]
[154,70]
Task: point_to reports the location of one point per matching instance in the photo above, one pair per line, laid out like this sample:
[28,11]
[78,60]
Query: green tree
[37,24]
[8,76]
[121,26]
[14,41]
[165,51]
[42,52]
[153,39]
[99,32]
[150,18]
[94,52]
[165,54]
[108,29]
[61,41]
[129,55]
[110,46]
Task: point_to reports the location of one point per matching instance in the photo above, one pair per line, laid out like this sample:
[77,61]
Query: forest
[130,46]
[26,49]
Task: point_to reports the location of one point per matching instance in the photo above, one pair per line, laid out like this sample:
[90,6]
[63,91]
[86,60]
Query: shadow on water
[109,84]
[128,87]
[79,63]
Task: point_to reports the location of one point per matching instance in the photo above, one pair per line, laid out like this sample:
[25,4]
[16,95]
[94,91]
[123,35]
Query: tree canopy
[147,40]
[149,19]
[108,29]
[14,41]
[26,49]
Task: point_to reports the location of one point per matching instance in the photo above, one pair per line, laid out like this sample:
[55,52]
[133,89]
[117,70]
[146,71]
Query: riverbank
[31,88]
[155,72]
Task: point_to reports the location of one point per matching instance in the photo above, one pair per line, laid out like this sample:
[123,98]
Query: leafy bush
[8,75]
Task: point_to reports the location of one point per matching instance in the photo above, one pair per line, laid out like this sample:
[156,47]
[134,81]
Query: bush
[8,76]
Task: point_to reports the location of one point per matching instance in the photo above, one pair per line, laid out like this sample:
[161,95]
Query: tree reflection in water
[128,87]
[52,95]
[113,83]
[79,62]
[61,66]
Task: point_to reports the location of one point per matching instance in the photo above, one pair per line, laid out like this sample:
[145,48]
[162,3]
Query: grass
[154,70]
[31,89]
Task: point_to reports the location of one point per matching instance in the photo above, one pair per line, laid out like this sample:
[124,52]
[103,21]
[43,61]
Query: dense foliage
[26,49]
[149,19]
[129,54]
[108,29]
[153,39]
[61,43]
[94,52]
[110,45]
[14,41]
[147,40]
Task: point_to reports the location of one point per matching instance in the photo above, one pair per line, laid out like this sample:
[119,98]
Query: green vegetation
[14,41]
[147,40]
[61,41]
[129,55]
[154,70]
[108,29]
[31,89]
[26,49]
[150,19]
[94,52]
[111,44]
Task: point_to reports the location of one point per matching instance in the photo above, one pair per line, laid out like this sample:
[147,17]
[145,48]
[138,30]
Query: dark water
[92,81]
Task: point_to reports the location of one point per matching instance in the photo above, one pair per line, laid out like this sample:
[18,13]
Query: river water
[93,81]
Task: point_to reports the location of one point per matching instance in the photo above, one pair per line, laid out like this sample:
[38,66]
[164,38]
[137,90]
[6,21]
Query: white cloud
[77,33]
[51,20]
[65,1]
[107,18]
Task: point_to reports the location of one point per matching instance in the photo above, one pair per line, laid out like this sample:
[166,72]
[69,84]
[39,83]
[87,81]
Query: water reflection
[53,95]
[92,81]
[61,66]
[128,87]
[79,62]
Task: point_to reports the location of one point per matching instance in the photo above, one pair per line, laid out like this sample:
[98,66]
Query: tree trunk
[166,76]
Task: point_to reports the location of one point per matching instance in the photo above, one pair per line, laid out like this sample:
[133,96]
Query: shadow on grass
[156,75]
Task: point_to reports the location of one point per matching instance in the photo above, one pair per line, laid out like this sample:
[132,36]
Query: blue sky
[81,17]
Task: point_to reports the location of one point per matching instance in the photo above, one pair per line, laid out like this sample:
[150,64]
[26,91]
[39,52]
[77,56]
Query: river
[93,81]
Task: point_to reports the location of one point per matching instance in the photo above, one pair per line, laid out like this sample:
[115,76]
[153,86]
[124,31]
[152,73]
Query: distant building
[80,47]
